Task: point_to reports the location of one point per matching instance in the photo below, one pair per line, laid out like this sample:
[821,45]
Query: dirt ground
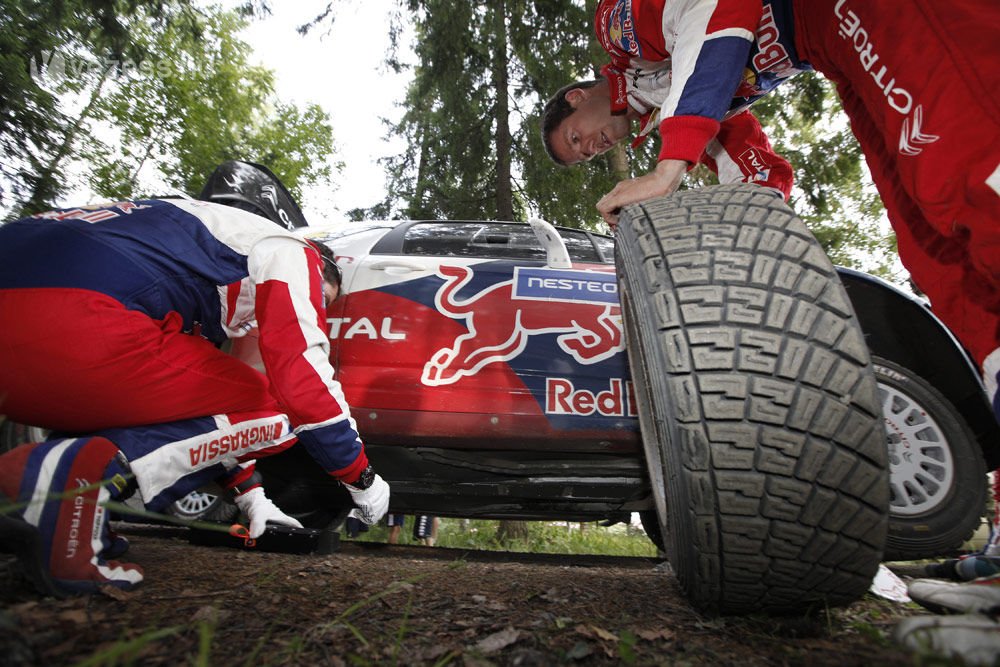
[381,604]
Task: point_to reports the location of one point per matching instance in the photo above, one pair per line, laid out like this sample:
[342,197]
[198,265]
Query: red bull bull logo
[580,306]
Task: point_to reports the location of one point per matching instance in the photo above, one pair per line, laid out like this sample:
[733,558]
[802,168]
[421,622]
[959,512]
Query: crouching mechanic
[111,317]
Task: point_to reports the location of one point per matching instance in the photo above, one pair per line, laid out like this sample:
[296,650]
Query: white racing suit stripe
[43,484]
[113,574]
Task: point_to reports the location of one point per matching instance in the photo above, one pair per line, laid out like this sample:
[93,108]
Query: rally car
[487,370]
[770,418]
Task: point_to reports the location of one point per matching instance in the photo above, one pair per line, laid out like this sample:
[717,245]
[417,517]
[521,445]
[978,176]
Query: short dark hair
[331,272]
[558,109]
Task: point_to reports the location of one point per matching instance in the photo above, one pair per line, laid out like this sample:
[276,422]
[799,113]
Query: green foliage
[471,119]
[543,537]
[453,143]
[206,104]
[29,116]
[446,105]
[127,651]
[182,99]
[554,44]
[50,51]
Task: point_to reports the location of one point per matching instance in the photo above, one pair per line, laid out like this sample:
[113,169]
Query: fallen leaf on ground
[117,593]
[498,640]
[594,631]
[77,616]
[210,614]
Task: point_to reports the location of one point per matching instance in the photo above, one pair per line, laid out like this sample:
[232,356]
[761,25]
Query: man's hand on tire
[260,510]
[663,180]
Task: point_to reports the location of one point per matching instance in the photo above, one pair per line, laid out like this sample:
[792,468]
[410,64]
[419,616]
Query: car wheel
[203,505]
[937,472]
[651,526]
[758,407]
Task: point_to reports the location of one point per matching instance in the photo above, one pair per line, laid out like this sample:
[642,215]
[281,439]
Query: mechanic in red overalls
[917,78]
[111,317]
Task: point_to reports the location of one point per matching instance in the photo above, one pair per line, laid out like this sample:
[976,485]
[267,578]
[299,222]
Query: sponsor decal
[851,30]
[565,285]
[580,307]
[753,165]
[73,536]
[748,84]
[619,33]
[618,87]
[911,137]
[93,213]
[563,398]
[270,193]
[228,444]
[363,327]
[771,52]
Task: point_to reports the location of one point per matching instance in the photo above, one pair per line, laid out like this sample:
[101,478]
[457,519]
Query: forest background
[132,98]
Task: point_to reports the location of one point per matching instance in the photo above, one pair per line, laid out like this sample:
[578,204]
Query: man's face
[590,130]
[330,292]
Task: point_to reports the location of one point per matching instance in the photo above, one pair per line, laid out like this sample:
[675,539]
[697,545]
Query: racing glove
[260,510]
[370,494]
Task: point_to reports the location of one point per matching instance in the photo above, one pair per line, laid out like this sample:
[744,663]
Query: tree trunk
[46,184]
[504,141]
[619,161]
[508,531]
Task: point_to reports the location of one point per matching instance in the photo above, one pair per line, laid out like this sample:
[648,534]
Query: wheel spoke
[920,463]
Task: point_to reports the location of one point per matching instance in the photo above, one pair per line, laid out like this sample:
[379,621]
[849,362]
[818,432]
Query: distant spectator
[395,522]
[425,529]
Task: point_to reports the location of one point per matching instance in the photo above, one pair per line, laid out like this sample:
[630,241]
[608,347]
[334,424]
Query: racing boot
[55,518]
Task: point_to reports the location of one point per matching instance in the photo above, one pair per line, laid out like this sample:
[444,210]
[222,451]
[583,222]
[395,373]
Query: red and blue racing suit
[918,80]
[111,317]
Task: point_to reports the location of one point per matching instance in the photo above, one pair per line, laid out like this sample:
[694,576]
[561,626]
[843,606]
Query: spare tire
[759,410]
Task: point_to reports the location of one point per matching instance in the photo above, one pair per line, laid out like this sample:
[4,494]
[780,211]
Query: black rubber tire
[938,476]
[758,406]
[651,526]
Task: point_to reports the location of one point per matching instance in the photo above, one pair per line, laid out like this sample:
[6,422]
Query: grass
[126,652]
[543,537]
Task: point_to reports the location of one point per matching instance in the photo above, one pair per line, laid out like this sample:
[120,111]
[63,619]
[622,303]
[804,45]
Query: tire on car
[937,471]
[758,407]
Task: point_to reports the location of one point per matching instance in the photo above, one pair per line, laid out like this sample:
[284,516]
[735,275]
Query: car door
[460,334]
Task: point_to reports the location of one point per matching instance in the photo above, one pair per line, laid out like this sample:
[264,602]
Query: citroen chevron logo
[911,137]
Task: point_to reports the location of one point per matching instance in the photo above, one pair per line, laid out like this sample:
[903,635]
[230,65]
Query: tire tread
[774,425]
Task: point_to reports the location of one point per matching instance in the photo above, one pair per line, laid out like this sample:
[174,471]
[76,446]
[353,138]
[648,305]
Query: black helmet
[253,187]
